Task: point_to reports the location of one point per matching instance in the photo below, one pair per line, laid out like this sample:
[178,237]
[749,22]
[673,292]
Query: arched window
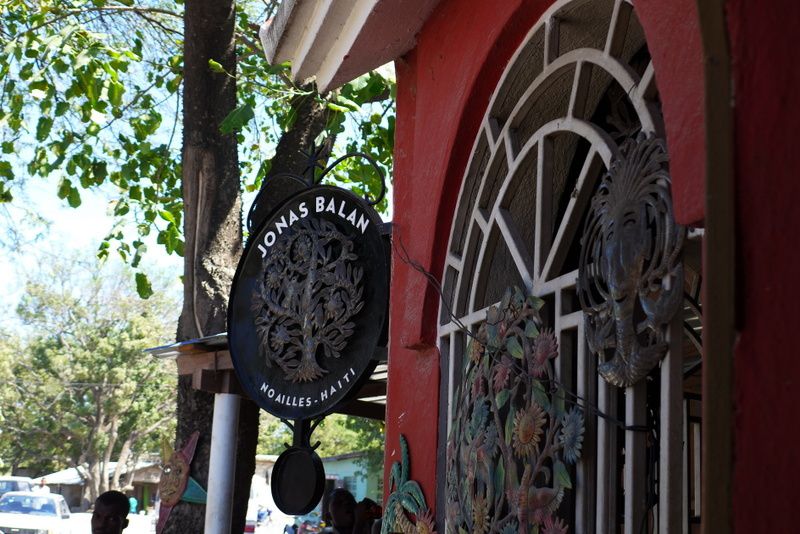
[577,99]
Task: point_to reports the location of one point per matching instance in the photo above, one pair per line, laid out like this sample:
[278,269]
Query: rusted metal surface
[303,304]
[630,278]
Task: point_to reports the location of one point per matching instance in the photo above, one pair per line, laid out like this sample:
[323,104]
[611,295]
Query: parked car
[15,484]
[27,511]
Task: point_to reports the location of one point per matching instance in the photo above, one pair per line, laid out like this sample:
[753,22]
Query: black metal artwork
[298,477]
[630,279]
[310,294]
[310,290]
[308,303]
[307,310]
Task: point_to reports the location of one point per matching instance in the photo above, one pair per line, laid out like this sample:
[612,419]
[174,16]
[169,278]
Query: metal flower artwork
[304,302]
[510,443]
[630,281]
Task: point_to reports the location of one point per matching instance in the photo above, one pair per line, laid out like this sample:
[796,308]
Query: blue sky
[70,231]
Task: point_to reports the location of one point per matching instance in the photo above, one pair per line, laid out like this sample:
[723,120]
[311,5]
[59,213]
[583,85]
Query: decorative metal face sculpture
[176,485]
[630,280]
[303,304]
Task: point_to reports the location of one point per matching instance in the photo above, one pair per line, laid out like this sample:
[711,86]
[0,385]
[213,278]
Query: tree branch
[106,9]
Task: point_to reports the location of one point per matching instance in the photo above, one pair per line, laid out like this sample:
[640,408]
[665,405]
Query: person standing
[349,517]
[134,503]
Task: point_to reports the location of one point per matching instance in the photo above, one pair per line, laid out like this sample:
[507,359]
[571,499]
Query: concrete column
[222,464]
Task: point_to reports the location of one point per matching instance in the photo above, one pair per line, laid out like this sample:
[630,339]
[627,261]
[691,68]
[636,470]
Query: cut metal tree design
[512,436]
[303,304]
[630,281]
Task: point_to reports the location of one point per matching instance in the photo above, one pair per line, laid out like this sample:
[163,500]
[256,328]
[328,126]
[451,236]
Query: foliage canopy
[90,98]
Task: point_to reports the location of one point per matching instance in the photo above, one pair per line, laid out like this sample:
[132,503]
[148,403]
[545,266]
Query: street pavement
[143,524]
[137,524]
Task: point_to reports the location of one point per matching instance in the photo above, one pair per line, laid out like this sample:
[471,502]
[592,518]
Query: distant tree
[78,390]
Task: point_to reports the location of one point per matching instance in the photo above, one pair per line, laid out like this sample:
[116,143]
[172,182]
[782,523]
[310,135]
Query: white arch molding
[550,132]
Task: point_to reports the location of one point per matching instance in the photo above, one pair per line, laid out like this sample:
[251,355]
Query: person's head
[110,514]
[342,506]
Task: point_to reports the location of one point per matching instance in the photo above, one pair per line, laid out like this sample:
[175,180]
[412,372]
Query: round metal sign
[294,465]
[308,303]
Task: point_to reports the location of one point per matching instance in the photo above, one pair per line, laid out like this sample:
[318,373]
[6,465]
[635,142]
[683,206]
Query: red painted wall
[673,38]
[460,55]
[767,368]
[444,86]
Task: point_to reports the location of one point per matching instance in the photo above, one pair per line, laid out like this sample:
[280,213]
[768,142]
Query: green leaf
[501,398]
[535,302]
[215,67]
[500,476]
[143,287]
[64,187]
[561,475]
[167,216]
[74,198]
[531,330]
[174,83]
[5,194]
[559,403]
[506,299]
[354,106]
[539,395]
[61,108]
[514,348]
[236,119]
[492,336]
[337,107]
[6,171]
[115,91]
[509,430]
[43,128]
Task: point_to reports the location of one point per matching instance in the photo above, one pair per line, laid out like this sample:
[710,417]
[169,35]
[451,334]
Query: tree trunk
[212,223]
[212,218]
[311,117]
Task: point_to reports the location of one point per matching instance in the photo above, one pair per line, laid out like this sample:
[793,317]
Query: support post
[222,464]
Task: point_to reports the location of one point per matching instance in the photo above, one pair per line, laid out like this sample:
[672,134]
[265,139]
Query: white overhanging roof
[335,41]
[75,475]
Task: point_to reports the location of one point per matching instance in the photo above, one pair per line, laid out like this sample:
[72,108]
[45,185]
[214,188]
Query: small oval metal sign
[308,303]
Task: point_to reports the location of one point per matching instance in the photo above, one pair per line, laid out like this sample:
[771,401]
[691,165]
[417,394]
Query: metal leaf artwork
[305,300]
[513,436]
[630,281]
[406,498]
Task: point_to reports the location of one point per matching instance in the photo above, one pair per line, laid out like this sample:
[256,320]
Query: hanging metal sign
[308,303]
